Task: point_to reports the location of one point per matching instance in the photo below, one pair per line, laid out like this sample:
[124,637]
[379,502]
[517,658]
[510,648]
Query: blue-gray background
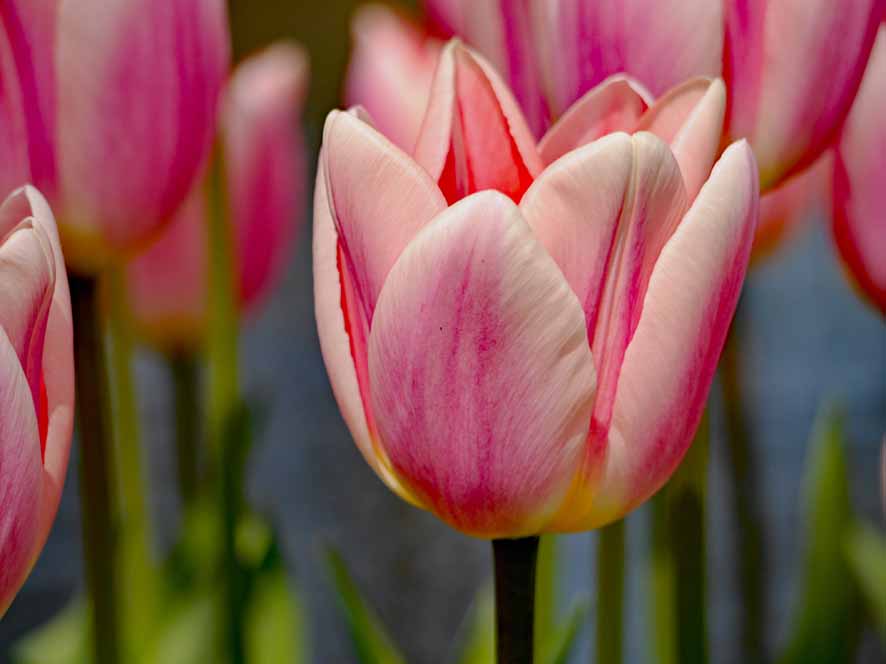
[808,339]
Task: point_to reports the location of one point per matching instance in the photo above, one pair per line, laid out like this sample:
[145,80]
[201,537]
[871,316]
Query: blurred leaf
[479,646]
[62,640]
[188,636]
[275,622]
[560,646]
[371,642]
[825,619]
[545,595]
[867,558]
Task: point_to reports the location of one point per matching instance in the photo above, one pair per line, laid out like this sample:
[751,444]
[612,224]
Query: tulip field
[442,331]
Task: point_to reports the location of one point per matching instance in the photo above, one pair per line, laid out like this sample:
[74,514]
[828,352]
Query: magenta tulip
[37,385]
[265,161]
[860,183]
[119,102]
[793,68]
[523,345]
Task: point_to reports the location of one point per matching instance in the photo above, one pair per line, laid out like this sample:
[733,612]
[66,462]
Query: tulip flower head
[37,385]
[117,111]
[859,180]
[521,336]
[265,167]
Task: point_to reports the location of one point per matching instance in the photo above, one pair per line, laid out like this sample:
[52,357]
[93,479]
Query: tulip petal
[390,72]
[482,380]
[343,330]
[690,118]
[15,165]
[138,86]
[793,68]
[617,104]
[378,198]
[474,136]
[20,474]
[669,365]
[659,42]
[860,182]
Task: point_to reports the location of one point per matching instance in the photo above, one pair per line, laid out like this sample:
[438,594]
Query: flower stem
[223,401]
[515,563]
[610,593]
[743,475]
[97,467]
[678,571]
[187,431]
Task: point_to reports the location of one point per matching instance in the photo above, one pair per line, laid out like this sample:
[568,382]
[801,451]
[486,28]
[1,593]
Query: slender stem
[743,475]
[187,430]
[610,593]
[515,563]
[138,582]
[679,575]
[224,397]
[96,469]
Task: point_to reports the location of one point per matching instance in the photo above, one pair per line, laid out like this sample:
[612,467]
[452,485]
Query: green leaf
[866,549]
[546,595]
[63,640]
[479,646]
[825,619]
[560,647]
[371,642]
[275,622]
[189,634]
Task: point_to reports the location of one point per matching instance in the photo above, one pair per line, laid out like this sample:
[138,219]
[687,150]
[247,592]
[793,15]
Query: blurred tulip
[119,106]
[860,182]
[390,71]
[264,158]
[793,68]
[37,385]
[536,357]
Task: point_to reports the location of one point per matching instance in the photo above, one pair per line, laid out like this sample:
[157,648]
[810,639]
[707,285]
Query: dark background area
[809,340]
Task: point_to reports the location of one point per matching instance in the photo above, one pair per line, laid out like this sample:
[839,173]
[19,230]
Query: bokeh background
[807,340]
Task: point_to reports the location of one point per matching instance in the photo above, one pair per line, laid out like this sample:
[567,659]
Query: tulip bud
[36,383]
[264,159]
[521,340]
[137,85]
[860,177]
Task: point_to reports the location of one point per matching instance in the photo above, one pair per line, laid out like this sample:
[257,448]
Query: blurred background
[808,340]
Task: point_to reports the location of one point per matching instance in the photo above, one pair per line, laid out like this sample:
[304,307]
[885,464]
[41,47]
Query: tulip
[521,345]
[264,159]
[860,173]
[119,107]
[37,386]
[793,68]
[393,59]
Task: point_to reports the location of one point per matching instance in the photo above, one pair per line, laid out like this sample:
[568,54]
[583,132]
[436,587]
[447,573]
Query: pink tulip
[793,68]
[120,100]
[264,156]
[521,346]
[393,59]
[37,385]
[860,182]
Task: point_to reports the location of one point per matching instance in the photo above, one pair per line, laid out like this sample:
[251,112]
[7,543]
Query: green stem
[223,398]
[515,565]
[96,470]
[138,578]
[610,593]
[743,475]
[679,560]
[187,430]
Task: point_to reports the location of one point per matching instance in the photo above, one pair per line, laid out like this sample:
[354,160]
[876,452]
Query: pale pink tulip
[36,383]
[522,345]
[265,160]
[793,68]
[119,106]
[860,182]
[390,71]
